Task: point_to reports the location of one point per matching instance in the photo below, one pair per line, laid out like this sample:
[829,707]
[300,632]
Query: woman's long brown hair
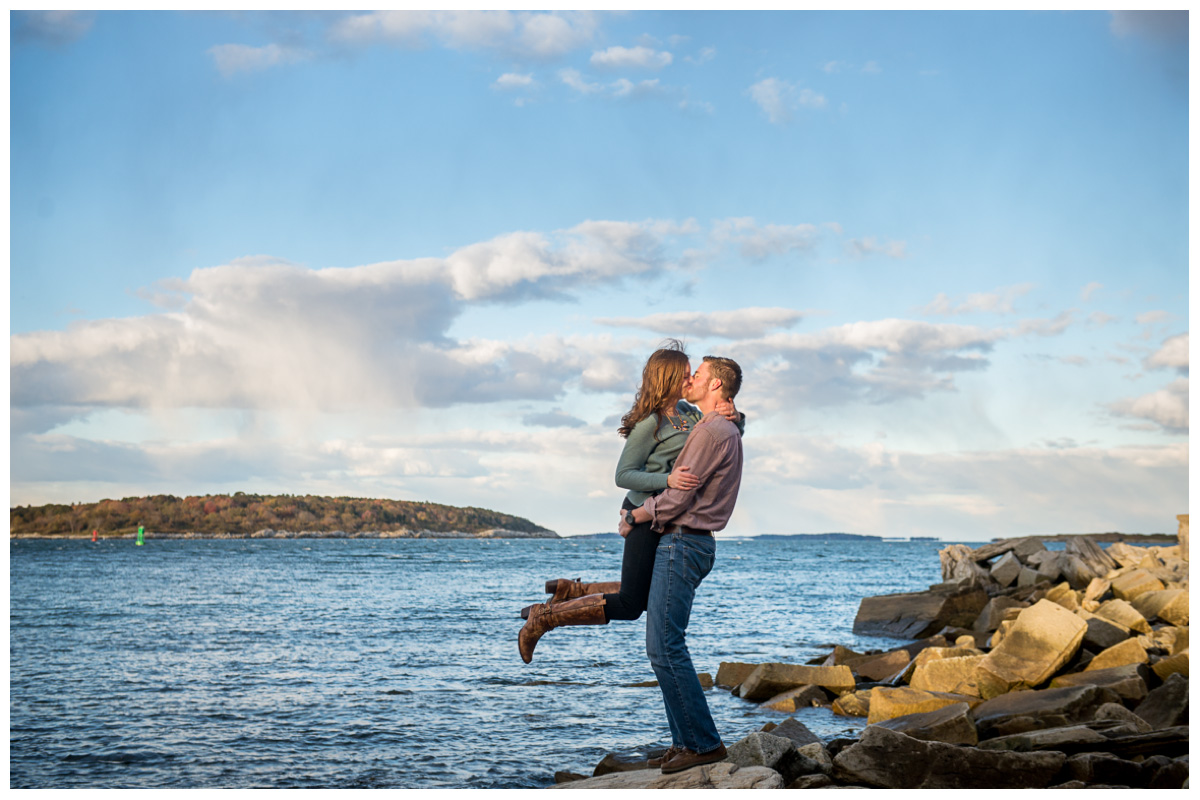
[662,377]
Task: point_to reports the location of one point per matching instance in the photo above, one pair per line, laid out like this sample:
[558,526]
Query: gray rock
[817,754]
[1006,569]
[914,615]
[1128,681]
[892,760]
[1104,633]
[1119,713]
[774,752]
[1093,768]
[1068,739]
[797,731]
[722,775]
[817,781]
[1166,706]
[1173,775]
[1018,712]
[622,762]
[1171,742]
[993,613]
[951,724]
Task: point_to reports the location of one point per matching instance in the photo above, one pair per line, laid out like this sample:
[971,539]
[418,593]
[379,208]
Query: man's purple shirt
[713,452]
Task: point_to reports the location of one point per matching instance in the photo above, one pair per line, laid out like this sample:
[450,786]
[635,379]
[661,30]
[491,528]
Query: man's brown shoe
[686,759]
[667,755]
[544,617]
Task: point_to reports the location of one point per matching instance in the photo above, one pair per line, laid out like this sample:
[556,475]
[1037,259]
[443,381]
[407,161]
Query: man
[685,555]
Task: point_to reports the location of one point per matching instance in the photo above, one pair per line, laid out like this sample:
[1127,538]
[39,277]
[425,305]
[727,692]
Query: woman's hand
[725,409]
[682,478]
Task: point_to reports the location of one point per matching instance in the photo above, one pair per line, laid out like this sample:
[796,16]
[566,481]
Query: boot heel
[525,612]
[552,586]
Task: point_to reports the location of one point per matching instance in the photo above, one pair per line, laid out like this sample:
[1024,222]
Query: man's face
[697,390]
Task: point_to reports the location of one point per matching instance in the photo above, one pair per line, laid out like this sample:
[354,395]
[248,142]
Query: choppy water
[384,663]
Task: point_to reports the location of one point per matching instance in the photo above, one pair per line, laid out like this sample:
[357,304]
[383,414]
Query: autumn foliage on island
[246,513]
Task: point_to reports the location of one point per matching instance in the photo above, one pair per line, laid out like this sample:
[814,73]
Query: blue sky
[424,255]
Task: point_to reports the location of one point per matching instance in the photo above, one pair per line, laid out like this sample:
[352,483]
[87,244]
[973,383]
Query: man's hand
[624,528]
[725,409]
[682,478]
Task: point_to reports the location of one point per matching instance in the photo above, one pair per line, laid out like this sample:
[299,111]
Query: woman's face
[687,382]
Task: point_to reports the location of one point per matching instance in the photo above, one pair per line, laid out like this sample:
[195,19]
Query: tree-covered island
[268,516]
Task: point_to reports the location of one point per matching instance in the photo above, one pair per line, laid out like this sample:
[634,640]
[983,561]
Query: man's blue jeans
[680,563]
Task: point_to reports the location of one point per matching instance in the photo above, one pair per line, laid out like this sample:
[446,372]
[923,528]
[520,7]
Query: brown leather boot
[564,589]
[587,610]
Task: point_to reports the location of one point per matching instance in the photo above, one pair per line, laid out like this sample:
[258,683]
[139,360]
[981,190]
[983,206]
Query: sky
[425,255]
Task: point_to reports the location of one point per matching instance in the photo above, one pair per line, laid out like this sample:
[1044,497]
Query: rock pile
[1031,669]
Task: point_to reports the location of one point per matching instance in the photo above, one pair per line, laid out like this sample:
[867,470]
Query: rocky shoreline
[1029,668]
[268,533]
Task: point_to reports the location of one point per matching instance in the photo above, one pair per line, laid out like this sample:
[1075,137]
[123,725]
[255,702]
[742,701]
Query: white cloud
[264,333]
[998,301]
[705,55]
[1153,317]
[741,323]
[513,80]
[1167,407]
[871,68]
[859,248]
[1173,354]
[51,28]
[1046,327]
[778,99]
[639,57]
[234,58]
[759,242]
[1089,290]
[518,34]
[626,88]
[572,78]
[555,418]
[832,67]
[1100,319]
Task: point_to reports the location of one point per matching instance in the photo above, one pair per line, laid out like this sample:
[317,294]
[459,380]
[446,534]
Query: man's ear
[714,384]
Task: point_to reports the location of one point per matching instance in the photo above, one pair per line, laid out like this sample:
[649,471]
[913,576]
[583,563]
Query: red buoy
[94,534]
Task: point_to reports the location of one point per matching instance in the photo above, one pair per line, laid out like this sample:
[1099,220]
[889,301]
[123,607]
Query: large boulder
[768,680]
[1038,709]
[722,775]
[889,703]
[1102,633]
[797,731]
[1021,548]
[1128,681]
[952,724]
[893,760]
[730,674]
[774,752]
[1044,638]
[958,564]
[1171,665]
[1070,738]
[1135,583]
[913,615]
[1169,605]
[1129,651]
[879,667]
[948,675]
[1006,569]
[1122,612]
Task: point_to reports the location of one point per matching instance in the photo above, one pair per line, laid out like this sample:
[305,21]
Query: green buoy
[141,534]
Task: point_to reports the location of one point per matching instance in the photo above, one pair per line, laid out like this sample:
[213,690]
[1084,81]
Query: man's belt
[686,529]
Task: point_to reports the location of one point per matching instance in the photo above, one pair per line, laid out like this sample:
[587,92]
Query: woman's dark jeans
[637,568]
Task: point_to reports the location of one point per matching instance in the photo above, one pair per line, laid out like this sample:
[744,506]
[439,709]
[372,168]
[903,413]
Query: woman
[655,430]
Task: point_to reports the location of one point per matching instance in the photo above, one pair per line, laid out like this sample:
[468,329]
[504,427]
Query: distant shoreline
[494,533]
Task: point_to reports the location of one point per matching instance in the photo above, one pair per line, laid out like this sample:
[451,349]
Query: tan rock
[1179,641]
[1126,554]
[839,656]
[722,775]
[1170,665]
[798,698]
[948,675]
[1183,535]
[936,654]
[731,673]
[1090,605]
[1169,605]
[1064,595]
[1127,652]
[768,680]
[1097,589]
[1044,638]
[1000,633]
[958,564]
[888,703]
[1122,612]
[1126,681]
[1132,584]
[854,704]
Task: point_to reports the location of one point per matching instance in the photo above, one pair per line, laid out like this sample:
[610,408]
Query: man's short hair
[727,371]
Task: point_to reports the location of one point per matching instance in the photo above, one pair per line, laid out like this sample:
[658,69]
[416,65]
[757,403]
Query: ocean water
[385,663]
